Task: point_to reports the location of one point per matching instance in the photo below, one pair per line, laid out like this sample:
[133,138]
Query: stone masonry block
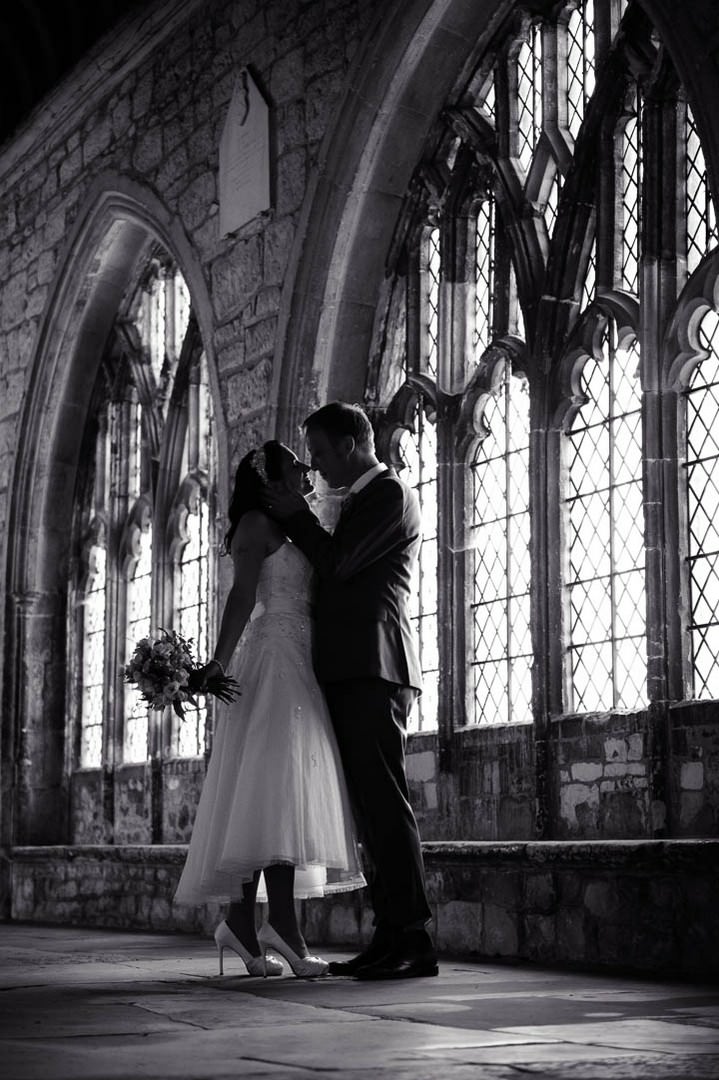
[247,435]
[248,389]
[540,932]
[279,237]
[290,181]
[627,768]
[196,201]
[98,136]
[142,95]
[202,146]
[586,771]
[500,932]
[70,167]
[173,168]
[692,776]
[615,749]
[291,127]
[578,804]
[14,300]
[148,150]
[600,898]
[237,277]
[321,102]
[422,766]
[540,893]
[431,798]
[36,301]
[119,111]
[287,81]
[458,927]
[45,268]
[55,226]
[260,338]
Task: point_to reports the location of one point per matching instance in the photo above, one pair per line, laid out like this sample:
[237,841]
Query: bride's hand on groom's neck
[279,502]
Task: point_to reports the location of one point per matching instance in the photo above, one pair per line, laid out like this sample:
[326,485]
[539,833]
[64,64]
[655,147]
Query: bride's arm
[249,547]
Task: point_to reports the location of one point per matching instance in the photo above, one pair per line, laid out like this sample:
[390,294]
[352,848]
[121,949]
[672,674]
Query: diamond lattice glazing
[500,686]
[418,450]
[702,483]
[605,530]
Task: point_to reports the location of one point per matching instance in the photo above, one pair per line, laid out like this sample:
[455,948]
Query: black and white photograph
[359,539]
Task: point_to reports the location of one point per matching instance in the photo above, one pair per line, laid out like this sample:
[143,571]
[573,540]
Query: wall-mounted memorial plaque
[244,156]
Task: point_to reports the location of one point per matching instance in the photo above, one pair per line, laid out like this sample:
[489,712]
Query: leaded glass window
[430,270]
[702,487]
[606,577]
[499,569]
[195,566]
[580,69]
[418,452]
[192,616]
[630,185]
[93,660]
[701,228]
[484,275]
[529,96]
[150,485]
[536,241]
[138,626]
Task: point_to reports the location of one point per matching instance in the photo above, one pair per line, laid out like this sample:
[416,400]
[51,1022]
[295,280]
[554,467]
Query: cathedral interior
[493,224]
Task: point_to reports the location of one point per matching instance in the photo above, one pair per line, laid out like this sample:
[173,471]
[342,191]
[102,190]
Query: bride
[274,801]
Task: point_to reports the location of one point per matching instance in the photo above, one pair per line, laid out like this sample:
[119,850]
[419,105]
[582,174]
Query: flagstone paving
[79,1004]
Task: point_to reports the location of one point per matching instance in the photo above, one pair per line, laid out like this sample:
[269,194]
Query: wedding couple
[296,767]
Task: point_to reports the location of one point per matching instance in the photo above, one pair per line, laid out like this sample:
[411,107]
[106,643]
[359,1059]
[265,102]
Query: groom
[367,661]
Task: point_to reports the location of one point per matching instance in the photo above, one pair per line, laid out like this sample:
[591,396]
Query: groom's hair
[338,419]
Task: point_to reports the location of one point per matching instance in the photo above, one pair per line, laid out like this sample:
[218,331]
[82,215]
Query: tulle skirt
[274,790]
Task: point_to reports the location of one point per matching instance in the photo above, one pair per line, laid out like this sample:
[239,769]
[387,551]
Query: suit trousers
[370,721]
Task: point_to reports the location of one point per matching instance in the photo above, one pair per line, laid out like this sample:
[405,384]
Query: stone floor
[97,1004]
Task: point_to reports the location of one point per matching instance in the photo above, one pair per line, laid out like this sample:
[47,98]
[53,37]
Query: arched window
[532,268]
[605,579]
[499,564]
[145,519]
[702,509]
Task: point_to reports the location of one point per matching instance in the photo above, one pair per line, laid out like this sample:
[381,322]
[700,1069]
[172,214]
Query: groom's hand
[279,502]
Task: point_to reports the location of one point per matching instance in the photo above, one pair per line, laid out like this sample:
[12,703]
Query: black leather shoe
[377,949]
[412,958]
[349,967]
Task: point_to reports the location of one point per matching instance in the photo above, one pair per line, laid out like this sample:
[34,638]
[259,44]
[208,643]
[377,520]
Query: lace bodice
[284,583]
[282,611]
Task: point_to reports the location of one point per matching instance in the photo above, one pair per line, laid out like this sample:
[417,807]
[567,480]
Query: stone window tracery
[527,250]
[147,559]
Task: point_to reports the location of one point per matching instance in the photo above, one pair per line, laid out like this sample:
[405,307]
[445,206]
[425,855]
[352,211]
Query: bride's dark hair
[249,478]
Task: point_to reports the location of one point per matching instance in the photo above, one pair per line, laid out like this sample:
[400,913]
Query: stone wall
[645,906]
[607,776]
[605,780]
[141,119]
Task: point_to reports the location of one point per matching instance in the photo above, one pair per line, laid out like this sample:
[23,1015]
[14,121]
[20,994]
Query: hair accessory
[259,463]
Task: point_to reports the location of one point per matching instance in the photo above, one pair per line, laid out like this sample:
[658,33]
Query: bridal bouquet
[162,671]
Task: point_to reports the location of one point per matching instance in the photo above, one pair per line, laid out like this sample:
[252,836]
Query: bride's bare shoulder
[256,530]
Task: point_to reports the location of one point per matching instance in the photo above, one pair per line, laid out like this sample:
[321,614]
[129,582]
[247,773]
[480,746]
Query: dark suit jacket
[364,573]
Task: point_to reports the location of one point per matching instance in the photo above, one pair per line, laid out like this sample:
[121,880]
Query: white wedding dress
[274,790]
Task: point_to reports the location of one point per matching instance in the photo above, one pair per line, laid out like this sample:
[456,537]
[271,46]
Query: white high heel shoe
[305,967]
[256,965]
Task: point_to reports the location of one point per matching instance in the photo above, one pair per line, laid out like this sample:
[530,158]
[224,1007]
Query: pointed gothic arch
[120,219]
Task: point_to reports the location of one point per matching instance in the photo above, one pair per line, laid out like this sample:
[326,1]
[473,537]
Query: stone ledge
[630,854]
[647,905]
[130,853]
